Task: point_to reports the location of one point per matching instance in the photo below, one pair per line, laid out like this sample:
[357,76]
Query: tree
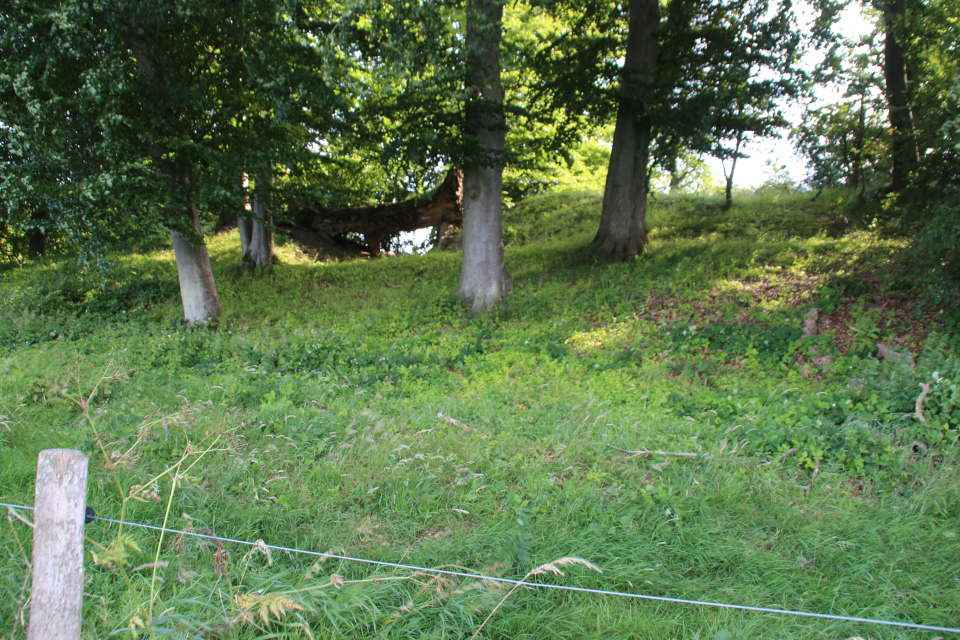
[181,91]
[147,112]
[483,278]
[58,172]
[437,100]
[331,230]
[844,138]
[295,98]
[904,150]
[623,223]
[711,73]
[901,71]
[930,39]
[725,71]
[256,231]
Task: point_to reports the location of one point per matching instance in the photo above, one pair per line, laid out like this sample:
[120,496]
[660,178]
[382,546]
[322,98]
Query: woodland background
[601,351]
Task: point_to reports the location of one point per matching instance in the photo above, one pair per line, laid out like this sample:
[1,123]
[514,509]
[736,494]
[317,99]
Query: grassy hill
[355,409]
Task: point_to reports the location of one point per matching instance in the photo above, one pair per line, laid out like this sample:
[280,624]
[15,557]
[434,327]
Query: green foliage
[581,167]
[846,137]
[933,34]
[951,128]
[723,71]
[758,341]
[836,289]
[119,119]
[845,144]
[940,239]
[841,426]
[708,77]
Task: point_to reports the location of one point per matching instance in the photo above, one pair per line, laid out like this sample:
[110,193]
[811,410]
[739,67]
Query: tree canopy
[121,121]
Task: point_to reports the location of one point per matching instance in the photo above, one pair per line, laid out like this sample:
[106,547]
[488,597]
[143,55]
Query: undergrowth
[662,420]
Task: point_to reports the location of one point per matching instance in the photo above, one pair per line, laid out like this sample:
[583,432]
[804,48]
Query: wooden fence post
[59,511]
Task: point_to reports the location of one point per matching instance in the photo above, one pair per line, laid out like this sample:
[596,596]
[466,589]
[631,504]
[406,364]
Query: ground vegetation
[665,420]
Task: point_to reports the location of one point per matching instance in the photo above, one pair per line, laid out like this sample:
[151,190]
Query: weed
[661,418]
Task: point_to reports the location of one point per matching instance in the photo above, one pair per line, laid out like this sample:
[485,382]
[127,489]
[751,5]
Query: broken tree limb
[326,229]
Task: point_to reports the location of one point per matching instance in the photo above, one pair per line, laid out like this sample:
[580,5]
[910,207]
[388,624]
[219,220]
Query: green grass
[354,408]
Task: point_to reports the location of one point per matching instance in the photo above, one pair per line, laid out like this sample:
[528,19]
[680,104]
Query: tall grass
[354,408]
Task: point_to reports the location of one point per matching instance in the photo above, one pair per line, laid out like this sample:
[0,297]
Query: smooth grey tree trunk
[256,236]
[623,223]
[245,225]
[483,278]
[259,250]
[198,290]
[201,304]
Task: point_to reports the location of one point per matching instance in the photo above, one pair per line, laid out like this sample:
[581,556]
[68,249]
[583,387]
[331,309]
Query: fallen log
[326,229]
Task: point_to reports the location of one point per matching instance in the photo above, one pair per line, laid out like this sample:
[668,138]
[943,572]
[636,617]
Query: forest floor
[662,419]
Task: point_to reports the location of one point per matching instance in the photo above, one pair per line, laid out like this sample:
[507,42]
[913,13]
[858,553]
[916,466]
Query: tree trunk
[37,238]
[227,219]
[728,202]
[449,237]
[257,246]
[859,143]
[846,162]
[244,222]
[623,223]
[483,277]
[197,287]
[37,244]
[245,226]
[904,149]
[198,290]
[675,177]
[909,74]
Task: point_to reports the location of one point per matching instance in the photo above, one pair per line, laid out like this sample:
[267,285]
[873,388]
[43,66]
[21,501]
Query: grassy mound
[662,418]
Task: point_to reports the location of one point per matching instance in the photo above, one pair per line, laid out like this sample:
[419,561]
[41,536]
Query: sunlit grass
[362,412]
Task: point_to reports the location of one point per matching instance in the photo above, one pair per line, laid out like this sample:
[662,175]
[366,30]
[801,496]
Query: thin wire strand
[16,506]
[559,587]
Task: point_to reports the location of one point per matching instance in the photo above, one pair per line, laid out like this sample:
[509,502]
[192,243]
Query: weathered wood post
[59,511]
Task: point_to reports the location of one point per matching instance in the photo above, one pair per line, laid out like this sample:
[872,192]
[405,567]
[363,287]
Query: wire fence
[538,585]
